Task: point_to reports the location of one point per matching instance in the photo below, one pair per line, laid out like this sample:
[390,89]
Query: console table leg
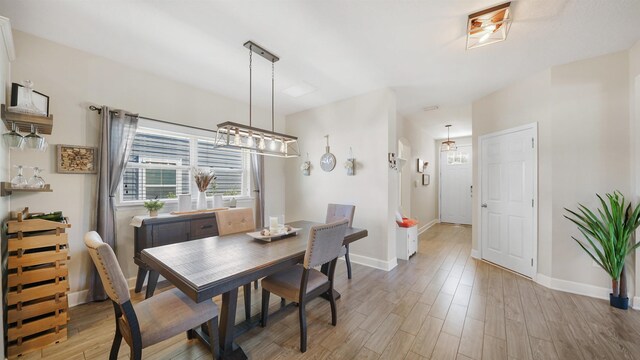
[151,284]
[142,274]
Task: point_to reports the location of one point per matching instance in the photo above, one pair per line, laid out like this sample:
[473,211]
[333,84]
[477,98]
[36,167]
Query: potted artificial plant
[153,206]
[609,239]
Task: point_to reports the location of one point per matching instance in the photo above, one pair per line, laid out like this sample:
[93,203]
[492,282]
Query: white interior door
[507,175]
[456,186]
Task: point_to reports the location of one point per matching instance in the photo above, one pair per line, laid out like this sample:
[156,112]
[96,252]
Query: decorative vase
[233,203]
[153,213]
[202,201]
[217,201]
[618,302]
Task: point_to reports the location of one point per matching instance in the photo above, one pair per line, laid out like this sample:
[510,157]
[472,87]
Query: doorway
[508,169]
[456,189]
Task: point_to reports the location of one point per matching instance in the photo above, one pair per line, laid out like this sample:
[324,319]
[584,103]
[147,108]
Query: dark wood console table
[165,230]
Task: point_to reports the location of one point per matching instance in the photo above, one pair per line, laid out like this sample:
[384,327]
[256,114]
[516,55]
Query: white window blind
[160,166]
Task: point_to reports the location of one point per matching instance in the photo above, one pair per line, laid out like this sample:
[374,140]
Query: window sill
[173,203]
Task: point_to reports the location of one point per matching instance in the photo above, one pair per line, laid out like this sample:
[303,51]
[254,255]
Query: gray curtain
[257,169]
[116,140]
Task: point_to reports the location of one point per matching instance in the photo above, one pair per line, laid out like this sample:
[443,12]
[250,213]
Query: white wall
[367,124]
[424,199]
[5,85]
[582,113]
[634,108]
[74,79]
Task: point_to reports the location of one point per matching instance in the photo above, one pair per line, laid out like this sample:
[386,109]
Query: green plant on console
[153,205]
[609,236]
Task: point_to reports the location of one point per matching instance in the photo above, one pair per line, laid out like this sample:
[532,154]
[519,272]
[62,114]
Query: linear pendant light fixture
[240,137]
[448,145]
[488,26]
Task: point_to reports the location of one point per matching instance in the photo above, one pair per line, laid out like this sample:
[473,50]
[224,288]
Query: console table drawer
[201,228]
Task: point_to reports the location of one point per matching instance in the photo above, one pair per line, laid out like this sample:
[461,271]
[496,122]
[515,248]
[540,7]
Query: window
[161,161]
[457,157]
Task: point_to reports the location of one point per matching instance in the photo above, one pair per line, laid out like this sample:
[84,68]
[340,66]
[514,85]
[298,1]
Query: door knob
[484,205]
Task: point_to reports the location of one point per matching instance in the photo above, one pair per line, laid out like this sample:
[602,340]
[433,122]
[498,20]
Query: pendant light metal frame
[449,145]
[239,137]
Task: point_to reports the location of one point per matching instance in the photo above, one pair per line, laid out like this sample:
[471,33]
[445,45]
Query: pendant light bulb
[261,144]
[236,138]
[283,147]
[273,144]
[250,139]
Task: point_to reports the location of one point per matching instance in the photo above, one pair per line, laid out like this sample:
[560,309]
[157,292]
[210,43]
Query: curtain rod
[99,110]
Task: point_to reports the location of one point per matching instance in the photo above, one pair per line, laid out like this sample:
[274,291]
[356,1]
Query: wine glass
[34,141]
[13,139]
[19,181]
[36,181]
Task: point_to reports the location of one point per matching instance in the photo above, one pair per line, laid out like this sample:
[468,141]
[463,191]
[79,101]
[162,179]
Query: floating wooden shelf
[23,122]
[6,189]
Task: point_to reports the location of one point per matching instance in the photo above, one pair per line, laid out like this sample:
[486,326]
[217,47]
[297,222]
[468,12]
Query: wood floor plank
[472,338]
[518,346]
[494,348]
[446,347]
[427,337]
[380,338]
[543,349]
[399,346]
[455,320]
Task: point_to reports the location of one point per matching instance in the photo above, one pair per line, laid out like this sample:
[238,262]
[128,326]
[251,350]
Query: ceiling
[341,47]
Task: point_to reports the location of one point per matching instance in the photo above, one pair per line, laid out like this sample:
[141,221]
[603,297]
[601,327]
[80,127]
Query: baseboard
[427,226]
[80,297]
[374,263]
[636,303]
[77,298]
[475,254]
[574,287]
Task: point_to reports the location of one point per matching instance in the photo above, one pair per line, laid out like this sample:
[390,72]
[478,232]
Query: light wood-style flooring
[442,304]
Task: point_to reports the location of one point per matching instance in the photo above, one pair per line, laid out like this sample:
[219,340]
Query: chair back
[337,212]
[325,243]
[235,221]
[114,282]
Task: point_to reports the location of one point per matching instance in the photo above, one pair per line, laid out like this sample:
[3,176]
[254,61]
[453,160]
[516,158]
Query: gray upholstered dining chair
[153,320]
[302,283]
[336,212]
[234,221]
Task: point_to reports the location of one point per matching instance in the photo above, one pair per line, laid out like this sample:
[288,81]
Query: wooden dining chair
[336,212]
[302,282]
[234,221]
[153,320]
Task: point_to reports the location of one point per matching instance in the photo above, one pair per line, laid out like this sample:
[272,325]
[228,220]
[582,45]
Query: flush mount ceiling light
[488,26]
[240,137]
[448,145]
[431,108]
[300,89]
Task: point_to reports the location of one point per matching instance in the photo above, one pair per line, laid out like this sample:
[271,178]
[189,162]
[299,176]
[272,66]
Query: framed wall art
[76,159]
[426,179]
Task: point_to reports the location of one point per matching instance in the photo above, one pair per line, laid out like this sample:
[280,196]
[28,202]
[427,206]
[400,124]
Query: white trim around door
[534,226]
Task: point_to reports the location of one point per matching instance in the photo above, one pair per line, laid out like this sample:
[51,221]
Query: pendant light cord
[273,80]
[250,83]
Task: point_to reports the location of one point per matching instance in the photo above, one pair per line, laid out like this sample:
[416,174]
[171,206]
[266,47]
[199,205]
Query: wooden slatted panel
[37,343]
[37,275]
[36,309]
[30,225]
[38,241]
[39,258]
[37,292]
[34,327]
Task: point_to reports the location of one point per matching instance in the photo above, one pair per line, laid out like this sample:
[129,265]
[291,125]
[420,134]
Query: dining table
[219,265]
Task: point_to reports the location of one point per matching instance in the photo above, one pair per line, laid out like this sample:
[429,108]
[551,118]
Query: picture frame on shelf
[426,179]
[420,165]
[40,100]
[76,159]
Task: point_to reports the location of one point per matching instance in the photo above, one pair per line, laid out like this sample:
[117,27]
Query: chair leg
[213,337]
[136,353]
[191,334]
[283,302]
[247,301]
[265,307]
[255,284]
[303,327]
[334,313]
[348,261]
[115,347]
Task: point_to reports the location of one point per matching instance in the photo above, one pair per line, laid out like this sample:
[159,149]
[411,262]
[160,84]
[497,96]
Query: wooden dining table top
[211,266]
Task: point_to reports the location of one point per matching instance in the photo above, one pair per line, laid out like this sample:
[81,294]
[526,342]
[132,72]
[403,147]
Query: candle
[273,223]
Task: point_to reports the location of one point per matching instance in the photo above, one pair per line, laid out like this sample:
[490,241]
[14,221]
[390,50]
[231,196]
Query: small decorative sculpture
[350,164]
[306,167]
